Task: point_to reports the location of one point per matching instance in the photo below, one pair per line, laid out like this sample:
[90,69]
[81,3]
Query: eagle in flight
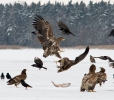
[45,35]
[66,63]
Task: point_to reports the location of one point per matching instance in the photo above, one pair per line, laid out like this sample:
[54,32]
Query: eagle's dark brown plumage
[92,59]
[90,80]
[111,33]
[64,28]
[103,74]
[66,63]
[45,36]
[38,63]
[17,79]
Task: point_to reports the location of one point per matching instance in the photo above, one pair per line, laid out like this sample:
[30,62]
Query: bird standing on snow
[2,76]
[17,79]
[8,76]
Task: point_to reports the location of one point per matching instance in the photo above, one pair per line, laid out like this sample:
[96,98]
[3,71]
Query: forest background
[90,23]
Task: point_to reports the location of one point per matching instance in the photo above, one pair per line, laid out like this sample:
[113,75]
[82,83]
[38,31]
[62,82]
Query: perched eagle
[64,28]
[44,33]
[111,33]
[92,59]
[90,80]
[38,63]
[66,63]
[17,79]
[23,83]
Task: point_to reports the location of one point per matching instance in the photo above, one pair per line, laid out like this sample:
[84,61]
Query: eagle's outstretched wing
[38,61]
[82,56]
[43,29]
[64,28]
[66,63]
[102,57]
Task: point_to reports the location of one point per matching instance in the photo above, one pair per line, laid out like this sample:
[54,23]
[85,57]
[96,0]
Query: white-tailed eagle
[66,63]
[45,36]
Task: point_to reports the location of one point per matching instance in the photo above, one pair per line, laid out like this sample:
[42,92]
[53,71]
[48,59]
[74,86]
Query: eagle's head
[24,71]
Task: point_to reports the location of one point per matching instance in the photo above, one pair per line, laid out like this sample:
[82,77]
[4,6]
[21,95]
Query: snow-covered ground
[14,61]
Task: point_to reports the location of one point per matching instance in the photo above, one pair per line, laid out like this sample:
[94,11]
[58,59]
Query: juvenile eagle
[66,63]
[64,28]
[17,79]
[38,63]
[90,80]
[44,33]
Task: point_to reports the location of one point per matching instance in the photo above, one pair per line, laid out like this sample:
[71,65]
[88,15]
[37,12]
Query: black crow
[23,83]
[8,76]
[38,63]
[2,76]
[64,28]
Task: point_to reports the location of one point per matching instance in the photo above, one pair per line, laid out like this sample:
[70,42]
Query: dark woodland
[90,23]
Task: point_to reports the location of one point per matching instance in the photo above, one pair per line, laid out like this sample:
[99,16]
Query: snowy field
[14,61]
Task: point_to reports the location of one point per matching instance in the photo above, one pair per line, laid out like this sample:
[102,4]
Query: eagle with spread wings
[45,35]
[66,63]
[17,79]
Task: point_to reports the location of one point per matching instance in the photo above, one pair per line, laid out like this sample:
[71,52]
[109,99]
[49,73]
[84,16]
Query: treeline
[90,23]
